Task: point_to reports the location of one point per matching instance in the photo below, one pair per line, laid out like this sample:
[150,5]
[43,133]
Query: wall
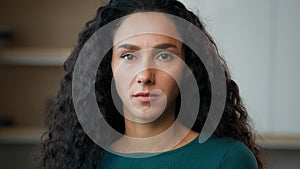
[259,40]
[47,23]
[25,92]
[55,25]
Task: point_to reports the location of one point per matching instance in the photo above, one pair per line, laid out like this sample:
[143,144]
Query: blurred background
[258,39]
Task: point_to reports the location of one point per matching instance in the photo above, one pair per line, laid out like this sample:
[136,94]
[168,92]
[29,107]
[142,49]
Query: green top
[215,153]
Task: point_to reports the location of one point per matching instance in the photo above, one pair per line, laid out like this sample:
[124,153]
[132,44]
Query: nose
[146,77]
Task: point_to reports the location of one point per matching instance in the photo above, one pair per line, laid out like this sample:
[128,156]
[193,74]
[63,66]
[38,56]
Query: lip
[145,96]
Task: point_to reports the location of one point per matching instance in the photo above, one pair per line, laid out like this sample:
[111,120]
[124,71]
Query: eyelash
[170,56]
[126,55]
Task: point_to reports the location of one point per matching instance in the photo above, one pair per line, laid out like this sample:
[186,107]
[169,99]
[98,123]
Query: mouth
[145,96]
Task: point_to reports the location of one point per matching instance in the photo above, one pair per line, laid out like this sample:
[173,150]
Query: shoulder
[227,153]
[237,155]
[224,153]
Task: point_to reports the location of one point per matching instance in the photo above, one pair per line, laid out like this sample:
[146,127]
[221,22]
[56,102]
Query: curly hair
[66,144]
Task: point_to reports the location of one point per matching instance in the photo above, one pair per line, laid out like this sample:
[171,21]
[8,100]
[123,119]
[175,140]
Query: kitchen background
[259,39]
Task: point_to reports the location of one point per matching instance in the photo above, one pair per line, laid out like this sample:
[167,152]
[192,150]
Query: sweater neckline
[149,154]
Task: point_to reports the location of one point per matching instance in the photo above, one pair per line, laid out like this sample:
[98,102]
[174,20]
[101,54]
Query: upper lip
[144,94]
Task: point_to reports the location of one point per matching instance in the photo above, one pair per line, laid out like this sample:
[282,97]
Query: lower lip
[145,98]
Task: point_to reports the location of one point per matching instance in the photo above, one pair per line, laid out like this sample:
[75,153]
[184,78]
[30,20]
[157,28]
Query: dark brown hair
[66,144]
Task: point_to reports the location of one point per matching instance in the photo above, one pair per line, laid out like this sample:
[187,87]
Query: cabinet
[44,35]
[29,82]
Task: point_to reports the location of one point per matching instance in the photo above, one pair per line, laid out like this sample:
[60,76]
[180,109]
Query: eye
[128,57]
[165,56]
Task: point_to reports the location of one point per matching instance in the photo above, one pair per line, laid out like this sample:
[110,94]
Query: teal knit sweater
[215,153]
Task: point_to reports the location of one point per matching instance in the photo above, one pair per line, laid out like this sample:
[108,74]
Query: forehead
[145,23]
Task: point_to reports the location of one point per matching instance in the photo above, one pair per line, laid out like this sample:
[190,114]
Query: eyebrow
[160,46]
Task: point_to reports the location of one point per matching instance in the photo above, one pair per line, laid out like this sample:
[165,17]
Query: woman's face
[147,66]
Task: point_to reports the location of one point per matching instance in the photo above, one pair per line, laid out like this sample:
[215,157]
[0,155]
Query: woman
[149,70]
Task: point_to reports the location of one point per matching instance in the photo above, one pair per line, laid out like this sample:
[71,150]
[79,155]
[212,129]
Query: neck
[151,129]
[162,134]
[164,141]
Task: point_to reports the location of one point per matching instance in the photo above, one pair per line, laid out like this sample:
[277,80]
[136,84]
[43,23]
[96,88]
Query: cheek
[171,90]
[174,75]
[119,84]
[120,76]
[124,74]
[171,81]
[123,82]
[168,84]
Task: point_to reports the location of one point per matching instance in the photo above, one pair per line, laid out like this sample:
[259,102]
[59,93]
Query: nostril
[145,82]
[145,77]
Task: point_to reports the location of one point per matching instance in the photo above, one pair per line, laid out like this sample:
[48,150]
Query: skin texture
[143,64]
[140,67]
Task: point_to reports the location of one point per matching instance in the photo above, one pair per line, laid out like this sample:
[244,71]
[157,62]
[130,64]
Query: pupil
[129,57]
[165,56]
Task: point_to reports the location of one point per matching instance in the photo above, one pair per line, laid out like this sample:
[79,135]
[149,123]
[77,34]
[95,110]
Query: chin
[144,116]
